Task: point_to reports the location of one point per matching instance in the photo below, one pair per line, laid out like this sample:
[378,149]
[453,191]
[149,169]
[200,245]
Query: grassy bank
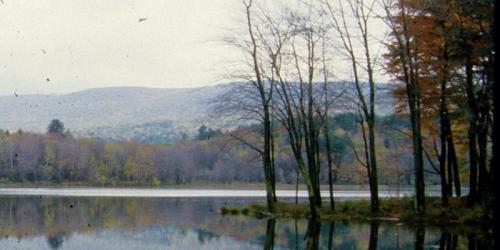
[391,209]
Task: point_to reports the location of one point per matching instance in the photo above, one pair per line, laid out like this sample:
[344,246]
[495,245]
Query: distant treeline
[29,157]
[216,157]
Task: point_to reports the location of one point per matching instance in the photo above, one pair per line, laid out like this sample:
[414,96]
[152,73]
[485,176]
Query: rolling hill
[111,110]
[146,114]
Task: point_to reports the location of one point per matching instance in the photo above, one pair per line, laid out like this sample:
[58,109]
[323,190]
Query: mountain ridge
[101,107]
[162,115]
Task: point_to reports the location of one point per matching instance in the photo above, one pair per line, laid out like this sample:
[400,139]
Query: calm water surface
[62,221]
[151,192]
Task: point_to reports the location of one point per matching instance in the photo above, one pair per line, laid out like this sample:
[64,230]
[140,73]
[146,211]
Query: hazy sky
[61,46]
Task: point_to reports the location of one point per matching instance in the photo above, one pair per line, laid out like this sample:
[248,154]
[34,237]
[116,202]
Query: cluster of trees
[443,54]
[205,133]
[59,157]
[441,59]
[30,157]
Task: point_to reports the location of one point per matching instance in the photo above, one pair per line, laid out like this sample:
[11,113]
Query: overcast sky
[61,46]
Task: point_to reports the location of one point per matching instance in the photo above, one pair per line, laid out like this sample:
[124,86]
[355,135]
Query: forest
[438,55]
[211,157]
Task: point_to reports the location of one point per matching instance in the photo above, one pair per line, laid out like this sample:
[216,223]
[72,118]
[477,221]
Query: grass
[391,209]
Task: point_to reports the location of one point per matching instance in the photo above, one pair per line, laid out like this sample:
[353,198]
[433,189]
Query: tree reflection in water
[55,241]
[313,232]
[373,243]
[419,238]
[192,223]
[331,231]
[270,230]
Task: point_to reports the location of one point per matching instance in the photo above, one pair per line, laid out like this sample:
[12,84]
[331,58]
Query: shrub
[234,211]
[224,210]
[245,211]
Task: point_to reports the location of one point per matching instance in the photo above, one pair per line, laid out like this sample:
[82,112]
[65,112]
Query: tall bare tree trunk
[482,141]
[265,99]
[443,136]
[417,149]
[495,150]
[330,164]
[373,167]
[472,133]
[361,12]
[453,164]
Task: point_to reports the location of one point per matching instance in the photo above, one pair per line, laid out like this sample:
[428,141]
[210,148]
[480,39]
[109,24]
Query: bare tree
[303,95]
[252,100]
[359,13]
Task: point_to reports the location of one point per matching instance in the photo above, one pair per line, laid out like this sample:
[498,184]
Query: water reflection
[194,223]
[373,243]
[330,235]
[270,229]
[448,241]
[419,237]
[55,241]
[313,233]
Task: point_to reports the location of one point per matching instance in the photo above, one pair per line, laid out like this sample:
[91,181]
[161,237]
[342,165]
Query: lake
[87,218]
[157,192]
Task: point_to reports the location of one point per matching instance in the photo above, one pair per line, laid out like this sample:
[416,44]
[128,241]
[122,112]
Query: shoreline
[392,210]
[186,192]
[203,185]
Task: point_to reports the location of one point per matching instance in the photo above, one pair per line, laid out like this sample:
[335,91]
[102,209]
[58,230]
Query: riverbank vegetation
[392,210]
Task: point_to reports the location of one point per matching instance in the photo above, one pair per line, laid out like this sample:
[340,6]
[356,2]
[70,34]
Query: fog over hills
[95,111]
[152,114]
